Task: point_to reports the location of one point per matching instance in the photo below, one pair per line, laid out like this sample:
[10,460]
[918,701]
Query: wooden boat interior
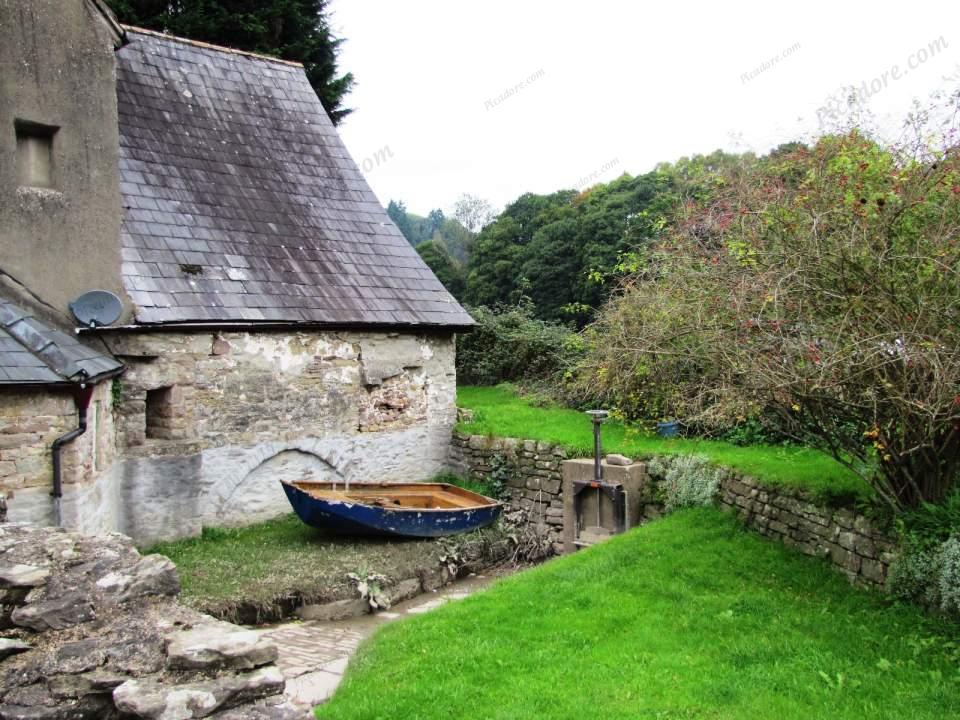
[418,496]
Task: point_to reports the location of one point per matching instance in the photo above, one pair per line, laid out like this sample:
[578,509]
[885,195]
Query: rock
[266,710]
[136,656]
[404,590]
[62,611]
[9,646]
[23,576]
[219,645]
[153,700]
[615,459]
[114,616]
[79,656]
[153,575]
[336,610]
[873,571]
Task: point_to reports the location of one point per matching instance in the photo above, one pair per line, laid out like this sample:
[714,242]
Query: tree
[822,285]
[434,221]
[398,213]
[473,212]
[296,30]
[448,271]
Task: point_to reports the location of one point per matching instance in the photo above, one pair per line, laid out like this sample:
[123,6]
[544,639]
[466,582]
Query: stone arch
[255,494]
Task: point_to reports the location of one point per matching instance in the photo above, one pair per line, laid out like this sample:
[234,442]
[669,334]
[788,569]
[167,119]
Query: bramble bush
[821,285]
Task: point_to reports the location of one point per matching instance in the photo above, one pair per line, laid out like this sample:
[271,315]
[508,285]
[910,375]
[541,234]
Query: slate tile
[262,194]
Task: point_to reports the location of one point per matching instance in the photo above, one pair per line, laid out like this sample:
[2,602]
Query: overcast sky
[499,97]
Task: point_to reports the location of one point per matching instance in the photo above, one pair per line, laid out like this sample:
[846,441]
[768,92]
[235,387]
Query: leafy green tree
[457,239]
[510,344]
[565,251]
[434,221]
[447,270]
[296,30]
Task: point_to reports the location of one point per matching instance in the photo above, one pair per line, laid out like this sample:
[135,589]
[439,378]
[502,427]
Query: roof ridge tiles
[210,46]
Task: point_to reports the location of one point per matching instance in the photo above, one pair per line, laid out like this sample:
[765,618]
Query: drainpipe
[81,399]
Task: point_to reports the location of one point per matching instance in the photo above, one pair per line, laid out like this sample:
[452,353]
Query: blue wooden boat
[392,509]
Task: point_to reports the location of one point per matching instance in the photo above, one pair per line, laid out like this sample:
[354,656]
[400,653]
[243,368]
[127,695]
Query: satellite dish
[96,308]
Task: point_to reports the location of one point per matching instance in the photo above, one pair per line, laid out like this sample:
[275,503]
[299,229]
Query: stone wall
[208,423]
[531,470]
[848,540]
[29,423]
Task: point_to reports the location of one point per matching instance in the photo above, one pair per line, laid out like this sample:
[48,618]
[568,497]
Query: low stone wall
[848,540]
[532,473]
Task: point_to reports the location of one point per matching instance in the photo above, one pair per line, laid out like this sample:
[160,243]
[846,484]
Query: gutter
[81,399]
[247,326]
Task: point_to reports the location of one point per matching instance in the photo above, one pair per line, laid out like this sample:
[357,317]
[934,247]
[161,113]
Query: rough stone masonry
[90,629]
[202,427]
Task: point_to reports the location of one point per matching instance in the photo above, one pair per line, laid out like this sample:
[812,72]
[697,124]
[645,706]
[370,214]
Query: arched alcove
[259,495]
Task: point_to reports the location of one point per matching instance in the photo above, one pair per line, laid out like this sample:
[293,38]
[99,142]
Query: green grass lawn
[500,412]
[686,617]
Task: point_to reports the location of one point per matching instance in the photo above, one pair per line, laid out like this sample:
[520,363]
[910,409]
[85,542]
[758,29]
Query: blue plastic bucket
[668,429]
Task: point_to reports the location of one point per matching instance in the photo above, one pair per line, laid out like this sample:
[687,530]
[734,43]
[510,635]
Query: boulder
[58,612]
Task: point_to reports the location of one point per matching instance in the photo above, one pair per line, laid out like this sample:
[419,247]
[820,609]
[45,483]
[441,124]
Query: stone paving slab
[313,655]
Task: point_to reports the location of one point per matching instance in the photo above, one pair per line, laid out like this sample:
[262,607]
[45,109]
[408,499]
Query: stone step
[218,645]
[152,700]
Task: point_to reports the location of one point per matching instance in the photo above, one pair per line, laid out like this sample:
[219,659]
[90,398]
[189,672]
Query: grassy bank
[500,412]
[261,569]
[687,617]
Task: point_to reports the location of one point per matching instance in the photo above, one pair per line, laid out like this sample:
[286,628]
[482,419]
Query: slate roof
[242,204]
[35,353]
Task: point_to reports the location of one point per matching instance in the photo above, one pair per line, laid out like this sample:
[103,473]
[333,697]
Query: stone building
[274,323]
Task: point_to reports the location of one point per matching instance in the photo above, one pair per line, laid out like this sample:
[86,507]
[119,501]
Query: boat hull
[320,507]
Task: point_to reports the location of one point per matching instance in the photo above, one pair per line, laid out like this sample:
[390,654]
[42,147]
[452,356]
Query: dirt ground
[261,573]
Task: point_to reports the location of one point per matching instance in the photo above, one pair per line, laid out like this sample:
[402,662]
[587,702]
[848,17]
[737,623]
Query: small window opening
[160,414]
[34,154]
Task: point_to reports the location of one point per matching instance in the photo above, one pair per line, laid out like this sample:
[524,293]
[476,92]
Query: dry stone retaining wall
[848,540]
[531,470]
